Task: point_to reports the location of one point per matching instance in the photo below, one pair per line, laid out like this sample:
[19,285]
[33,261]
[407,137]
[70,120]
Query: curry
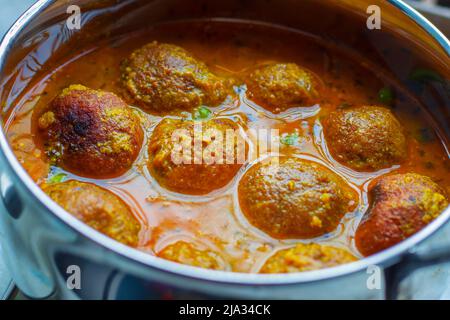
[360,164]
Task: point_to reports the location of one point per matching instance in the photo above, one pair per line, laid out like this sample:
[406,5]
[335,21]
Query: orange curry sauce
[214,221]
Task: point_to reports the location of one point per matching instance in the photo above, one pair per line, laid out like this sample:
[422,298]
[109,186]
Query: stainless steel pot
[41,241]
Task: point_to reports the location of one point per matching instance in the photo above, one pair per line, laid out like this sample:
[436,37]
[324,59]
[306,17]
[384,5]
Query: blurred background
[10,11]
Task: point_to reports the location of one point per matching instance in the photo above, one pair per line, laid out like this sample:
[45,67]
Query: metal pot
[42,243]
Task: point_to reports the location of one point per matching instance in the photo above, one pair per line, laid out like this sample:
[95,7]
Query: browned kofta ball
[365,138]
[165,77]
[306,257]
[90,132]
[190,170]
[294,198]
[186,253]
[98,208]
[402,204]
[278,87]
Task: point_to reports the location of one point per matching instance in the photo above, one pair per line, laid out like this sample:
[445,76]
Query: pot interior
[400,50]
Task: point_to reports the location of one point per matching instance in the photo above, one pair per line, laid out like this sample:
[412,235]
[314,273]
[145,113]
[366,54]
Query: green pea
[202,113]
[386,95]
[289,139]
[56,178]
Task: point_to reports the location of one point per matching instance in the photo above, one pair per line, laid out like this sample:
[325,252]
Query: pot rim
[387,256]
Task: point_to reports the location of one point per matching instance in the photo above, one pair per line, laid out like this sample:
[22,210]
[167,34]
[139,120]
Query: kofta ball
[90,132]
[98,208]
[306,257]
[278,87]
[365,138]
[401,205]
[165,77]
[195,164]
[186,253]
[294,198]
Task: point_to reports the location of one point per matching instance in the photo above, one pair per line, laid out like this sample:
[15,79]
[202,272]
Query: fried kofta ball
[294,198]
[365,138]
[306,257]
[186,253]
[98,208]
[180,161]
[165,77]
[278,87]
[90,132]
[402,204]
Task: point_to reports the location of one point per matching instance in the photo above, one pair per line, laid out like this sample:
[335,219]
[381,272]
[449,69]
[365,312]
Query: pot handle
[409,263]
